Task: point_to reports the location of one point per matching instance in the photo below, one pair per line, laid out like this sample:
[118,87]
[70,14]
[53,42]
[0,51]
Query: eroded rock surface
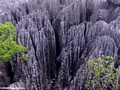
[60,36]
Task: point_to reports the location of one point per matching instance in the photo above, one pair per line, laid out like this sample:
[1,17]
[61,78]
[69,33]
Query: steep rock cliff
[60,36]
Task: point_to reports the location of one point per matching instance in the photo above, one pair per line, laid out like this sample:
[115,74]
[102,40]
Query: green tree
[8,45]
[101,74]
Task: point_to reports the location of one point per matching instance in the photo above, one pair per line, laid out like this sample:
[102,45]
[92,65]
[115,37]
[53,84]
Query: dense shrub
[101,74]
[8,45]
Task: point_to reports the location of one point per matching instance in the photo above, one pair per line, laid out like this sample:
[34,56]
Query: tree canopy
[8,45]
[102,75]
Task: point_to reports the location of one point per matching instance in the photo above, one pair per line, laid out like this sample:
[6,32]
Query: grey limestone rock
[117,2]
[60,36]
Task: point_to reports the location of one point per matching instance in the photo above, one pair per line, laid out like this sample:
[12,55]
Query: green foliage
[101,74]
[8,45]
[25,57]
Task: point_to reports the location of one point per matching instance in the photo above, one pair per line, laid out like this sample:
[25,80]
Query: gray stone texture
[60,36]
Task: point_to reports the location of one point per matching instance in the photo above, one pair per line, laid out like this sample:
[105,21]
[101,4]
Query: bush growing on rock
[101,74]
[8,45]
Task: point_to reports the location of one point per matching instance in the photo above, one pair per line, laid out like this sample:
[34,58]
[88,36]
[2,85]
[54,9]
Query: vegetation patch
[8,45]
[101,74]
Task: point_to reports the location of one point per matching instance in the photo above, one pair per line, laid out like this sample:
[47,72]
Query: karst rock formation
[60,36]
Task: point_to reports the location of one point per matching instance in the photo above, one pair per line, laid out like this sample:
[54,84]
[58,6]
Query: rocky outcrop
[117,2]
[60,36]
